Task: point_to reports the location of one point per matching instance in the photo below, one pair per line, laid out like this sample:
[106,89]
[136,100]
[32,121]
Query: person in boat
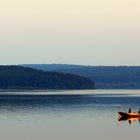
[129,111]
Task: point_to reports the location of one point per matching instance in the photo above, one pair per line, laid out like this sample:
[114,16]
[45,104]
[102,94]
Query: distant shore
[66,92]
[31,90]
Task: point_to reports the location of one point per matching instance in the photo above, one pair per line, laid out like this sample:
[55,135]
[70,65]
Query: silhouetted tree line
[17,77]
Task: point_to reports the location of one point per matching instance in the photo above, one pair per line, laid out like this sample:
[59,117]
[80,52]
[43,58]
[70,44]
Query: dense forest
[17,77]
[105,77]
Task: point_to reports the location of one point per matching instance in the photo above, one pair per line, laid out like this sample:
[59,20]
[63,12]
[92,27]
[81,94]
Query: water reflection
[60,117]
[101,104]
[129,120]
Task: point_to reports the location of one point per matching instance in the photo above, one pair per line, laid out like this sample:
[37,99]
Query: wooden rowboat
[129,115]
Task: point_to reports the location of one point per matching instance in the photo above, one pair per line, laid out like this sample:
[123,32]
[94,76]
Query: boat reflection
[130,119]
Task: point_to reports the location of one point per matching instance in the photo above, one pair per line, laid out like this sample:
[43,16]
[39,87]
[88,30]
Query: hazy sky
[91,32]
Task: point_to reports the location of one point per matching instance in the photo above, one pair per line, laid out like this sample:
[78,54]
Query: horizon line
[87,65]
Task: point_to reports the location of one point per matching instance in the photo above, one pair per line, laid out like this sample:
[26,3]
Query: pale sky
[89,32]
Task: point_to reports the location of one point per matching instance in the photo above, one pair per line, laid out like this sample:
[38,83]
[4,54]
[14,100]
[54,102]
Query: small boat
[129,115]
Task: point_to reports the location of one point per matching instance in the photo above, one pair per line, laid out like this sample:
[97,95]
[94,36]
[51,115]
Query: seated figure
[129,111]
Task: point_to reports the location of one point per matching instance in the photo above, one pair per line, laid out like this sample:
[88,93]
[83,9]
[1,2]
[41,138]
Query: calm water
[68,117]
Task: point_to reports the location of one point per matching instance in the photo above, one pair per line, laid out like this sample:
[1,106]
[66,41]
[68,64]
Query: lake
[68,115]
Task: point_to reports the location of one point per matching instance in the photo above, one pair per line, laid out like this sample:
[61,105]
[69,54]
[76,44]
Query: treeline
[105,77]
[17,77]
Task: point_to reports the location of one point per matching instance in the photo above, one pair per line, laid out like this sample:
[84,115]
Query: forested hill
[17,77]
[105,77]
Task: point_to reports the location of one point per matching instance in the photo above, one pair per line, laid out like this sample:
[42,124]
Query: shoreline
[70,92]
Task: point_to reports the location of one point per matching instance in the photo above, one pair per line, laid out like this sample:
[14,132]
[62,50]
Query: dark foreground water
[68,117]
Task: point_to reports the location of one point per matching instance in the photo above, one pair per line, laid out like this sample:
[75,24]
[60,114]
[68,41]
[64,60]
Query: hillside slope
[16,77]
